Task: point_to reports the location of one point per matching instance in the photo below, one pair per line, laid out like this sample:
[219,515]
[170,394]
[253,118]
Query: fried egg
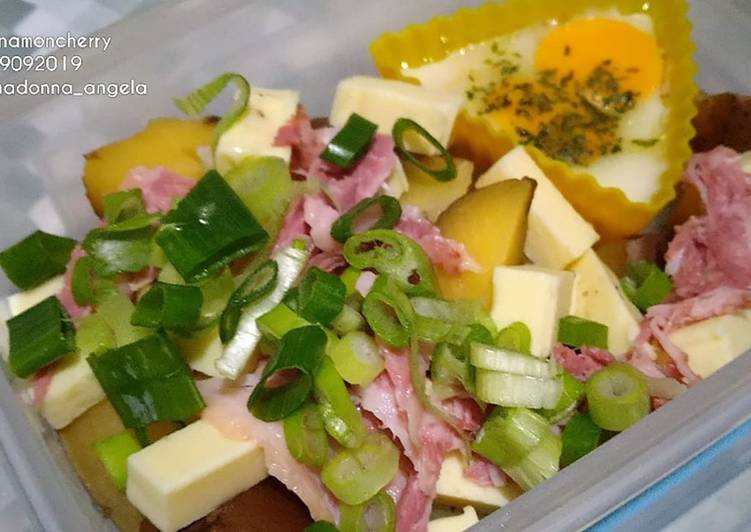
[588,91]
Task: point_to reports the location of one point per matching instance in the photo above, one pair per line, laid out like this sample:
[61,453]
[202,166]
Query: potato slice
[431,196]
[168,142]
[492,223]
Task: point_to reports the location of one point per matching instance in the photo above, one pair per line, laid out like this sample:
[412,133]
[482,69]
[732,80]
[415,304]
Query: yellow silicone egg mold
[607,208]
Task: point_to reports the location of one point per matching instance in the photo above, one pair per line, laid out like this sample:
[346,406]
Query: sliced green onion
[147,381]
[35,259]
[449,371]
[349,277]
[279,321]
[306,436]
[302,350]
[356,475]
[506,389]
[347,321]
[617,396]
[113,452]
[265,186]
[374,515]
[258,284]
[344,227]
[515,337]
[340,415]
[357,358]
[571,395]
[496,359]
[113,309]
[510,434]
[320,296]
[321,526]
[350,143]
[126,246]
[216,293]
[478,334]
[392,253]
[539,465]
[388,312]
[574,331]
[123,205]
[94,335]
[199,99]
[209,228]
[645,284]
[87,286]
[39,336]
[580,437]
[402,126]
[239,352]
[168,306]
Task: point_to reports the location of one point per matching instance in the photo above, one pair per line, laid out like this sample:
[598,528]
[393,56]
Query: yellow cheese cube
[73,389]
[187,474]
[712,343]
[25,300]
[454,489]
[382,101]
[598,297]
[454,523]
[202,350]
[433,197]
[254,133]
[556,234]
[536,296]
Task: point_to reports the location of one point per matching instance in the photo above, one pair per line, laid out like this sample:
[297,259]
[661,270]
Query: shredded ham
[319,215]
[450,255]
[714,250]
[160,187]
[365,282]
[485,473]
[40,383]
[66,293]
[226,409]
[582,363]
[293,227]
[426,439]
[328,261]
[306,143]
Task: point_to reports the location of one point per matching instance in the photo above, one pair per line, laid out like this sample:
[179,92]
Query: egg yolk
[588,74]
[580,46]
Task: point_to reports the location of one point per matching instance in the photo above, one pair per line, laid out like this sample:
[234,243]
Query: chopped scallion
[515,337]
[574,331]
[300,350]
[209,228]
[580,437]
[279,321]
[258,284]
[350,143]
[346,225]
[388,312]
[113,452]
[126,246]
[356,475]
[540,464]
[199,99]
[321,526]
[306,436]
[496,359]
[357,358]
[617,396]
[347,320]
[571,395]
[374,515]
[168,306]
[395,254]
[123,205]
[39,336]
[506,389]
[35,259]
[450,371]
[320,296]
[645,284]
[340,415]
[147,381]
[402,126]
[87,286]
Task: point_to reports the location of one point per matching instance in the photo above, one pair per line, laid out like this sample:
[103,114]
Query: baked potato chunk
[168,142]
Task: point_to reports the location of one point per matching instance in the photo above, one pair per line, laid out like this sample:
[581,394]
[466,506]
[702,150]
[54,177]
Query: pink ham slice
[226,409]
[160,187]
[485,473]
[714,250]
[450,255]
[582,363]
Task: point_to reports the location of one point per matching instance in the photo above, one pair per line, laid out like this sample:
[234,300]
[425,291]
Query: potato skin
[168,142]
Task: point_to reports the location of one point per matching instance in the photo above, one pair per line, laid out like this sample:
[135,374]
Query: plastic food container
[172,48]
